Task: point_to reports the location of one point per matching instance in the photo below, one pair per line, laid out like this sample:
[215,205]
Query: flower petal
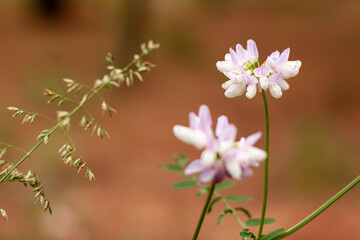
[283,57]
[256,154]
[194,167]
[227,84]
[205,116]
[275,78]
[264,83]
[284,85]
[225,66]
[248,79]
[235,90]
[275,54]
[233,57]
[193,137]
[252,49]
[208,157]
[233,168]
[240,51]
[222,123]
[206,175]
[251,91]
[270,62]
[290,68]
[275,90]
[220,174]
[253,138]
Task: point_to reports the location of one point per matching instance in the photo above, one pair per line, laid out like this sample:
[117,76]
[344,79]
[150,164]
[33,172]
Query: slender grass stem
[322,208]
[266,173]
[86,98]
[202,216]
[12,146]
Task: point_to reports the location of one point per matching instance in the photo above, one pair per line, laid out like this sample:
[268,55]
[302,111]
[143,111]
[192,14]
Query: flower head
[245,73]
[222,155]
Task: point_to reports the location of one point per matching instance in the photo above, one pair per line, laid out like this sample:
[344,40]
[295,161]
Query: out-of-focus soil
[315,131]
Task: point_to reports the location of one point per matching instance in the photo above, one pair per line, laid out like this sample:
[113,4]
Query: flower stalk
[322,208]
[206,205]
[266,166]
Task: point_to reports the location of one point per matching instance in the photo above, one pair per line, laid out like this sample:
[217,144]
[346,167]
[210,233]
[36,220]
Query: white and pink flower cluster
[243,69]
[222,155]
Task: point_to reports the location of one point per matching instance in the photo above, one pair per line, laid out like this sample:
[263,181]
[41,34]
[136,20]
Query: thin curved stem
[202,216]
[12,146]
[322,208]
[266,174]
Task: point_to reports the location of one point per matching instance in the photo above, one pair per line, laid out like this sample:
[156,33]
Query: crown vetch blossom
[222,155]
[245,73]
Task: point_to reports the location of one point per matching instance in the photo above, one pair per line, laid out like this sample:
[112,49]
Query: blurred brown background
[315,131]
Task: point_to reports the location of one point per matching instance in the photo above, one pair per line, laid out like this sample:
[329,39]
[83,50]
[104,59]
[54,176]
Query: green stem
[12,146]
[202,216]
[91,93]
[26,156]
[322,208]
[87,97]
[266,174]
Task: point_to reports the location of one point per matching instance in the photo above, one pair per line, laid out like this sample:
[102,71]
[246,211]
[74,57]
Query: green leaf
[212,203]
[238,198]
[245,233]
[170,167]
[185,184]
[256,221]
[224,185]
[244,211]
[202,191]
[223,213]
[182,160]
[272,234]
[2,152]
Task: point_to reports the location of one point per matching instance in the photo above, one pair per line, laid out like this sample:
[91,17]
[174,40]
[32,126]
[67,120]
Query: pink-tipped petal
[222,123]
[248,79]
[207,175]
[194,167]
[228,133]
[193,121]
[275,78]
[283,57]
[271,63]
[205,116]
[240,51]
[275,54]
[233,57]
[253,138]
[252,49]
